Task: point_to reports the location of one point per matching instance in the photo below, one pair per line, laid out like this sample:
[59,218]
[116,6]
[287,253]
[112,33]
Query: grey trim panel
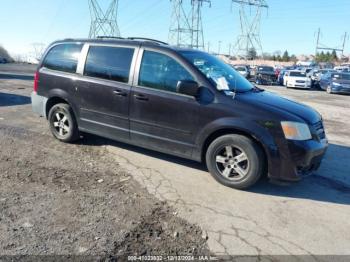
[160,126]
[161,138]
[103,124]
[135,132]
[102,113]
[39,104]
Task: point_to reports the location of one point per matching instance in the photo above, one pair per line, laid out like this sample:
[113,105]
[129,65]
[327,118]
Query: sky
[287,24]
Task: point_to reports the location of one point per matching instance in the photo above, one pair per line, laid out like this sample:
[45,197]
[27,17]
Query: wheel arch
[231,130]
[57,96]
[54,101]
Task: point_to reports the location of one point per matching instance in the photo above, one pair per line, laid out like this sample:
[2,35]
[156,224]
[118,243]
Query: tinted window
[160,71]
[112,63]
[298,74]
[63,57]
[240,68]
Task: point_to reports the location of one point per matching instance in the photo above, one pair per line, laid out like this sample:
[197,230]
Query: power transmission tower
[320,46]
[197,24]
[180,28]
[104,23]
[186,28]
[249,39]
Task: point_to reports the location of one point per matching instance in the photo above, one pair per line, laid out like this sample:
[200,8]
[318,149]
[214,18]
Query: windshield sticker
[222,84]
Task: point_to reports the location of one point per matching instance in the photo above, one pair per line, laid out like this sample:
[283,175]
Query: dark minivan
[178,101]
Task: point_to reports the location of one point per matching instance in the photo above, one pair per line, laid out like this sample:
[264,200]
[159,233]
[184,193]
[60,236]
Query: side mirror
[187,87]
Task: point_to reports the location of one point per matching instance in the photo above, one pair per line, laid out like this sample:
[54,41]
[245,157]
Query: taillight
[36,81]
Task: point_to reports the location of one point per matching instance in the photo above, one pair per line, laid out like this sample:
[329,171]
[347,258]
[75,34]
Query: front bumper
[39,104]
[341,90]
[296,159]
[265,79]
[300,85]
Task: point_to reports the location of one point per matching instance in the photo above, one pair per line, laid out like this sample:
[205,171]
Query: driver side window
[161,72]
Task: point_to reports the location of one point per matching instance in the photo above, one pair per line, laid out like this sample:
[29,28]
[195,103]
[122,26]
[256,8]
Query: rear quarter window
[63,57]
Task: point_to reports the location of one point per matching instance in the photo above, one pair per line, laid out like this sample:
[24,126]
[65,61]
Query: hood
[272,101]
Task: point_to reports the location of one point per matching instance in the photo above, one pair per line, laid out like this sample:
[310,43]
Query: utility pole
[344,42]
[219,47]
[208,46]
[318,40]
[104,23]
[250,21]
[186,27]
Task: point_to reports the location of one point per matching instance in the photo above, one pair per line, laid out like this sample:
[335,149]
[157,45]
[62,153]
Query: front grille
[319,129]
[300,81]
[268,78]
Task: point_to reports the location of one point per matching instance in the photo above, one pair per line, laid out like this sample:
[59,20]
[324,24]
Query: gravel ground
[61,199]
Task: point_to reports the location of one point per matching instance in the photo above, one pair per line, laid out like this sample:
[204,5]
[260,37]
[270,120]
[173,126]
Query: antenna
[250,26]
[104,23]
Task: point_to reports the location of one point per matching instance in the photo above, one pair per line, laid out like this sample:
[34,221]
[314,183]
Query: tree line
[285,57]
[327,57]
[276,56]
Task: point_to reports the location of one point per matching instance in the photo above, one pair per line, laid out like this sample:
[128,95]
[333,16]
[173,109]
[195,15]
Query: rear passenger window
[63,57]
[111,63]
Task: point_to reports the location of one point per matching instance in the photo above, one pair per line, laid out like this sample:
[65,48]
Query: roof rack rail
[147,39]
[109,37]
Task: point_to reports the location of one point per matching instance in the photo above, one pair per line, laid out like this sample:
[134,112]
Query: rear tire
[235,161]
[62,122]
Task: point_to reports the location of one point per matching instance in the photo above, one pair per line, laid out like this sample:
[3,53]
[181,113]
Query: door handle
[119,93]
[141,97]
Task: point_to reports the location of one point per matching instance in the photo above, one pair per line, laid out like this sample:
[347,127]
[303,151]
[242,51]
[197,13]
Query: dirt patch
[60,199]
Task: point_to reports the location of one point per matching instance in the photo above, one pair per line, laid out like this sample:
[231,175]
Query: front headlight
[296,131]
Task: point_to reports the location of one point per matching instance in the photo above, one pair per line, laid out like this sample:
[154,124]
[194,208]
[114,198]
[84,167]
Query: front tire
[62,122]
[235,161]
[329,89]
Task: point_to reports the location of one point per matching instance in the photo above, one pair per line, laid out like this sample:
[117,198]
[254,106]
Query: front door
[104,91]
[161,118]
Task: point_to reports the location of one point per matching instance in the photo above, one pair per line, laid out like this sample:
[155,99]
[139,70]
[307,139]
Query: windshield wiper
[257,89]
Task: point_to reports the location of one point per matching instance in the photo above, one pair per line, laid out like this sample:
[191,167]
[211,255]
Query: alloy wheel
[232,163]
[61,124]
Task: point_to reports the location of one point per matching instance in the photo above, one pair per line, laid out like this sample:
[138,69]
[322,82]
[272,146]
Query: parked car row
[332,80]
[3,60]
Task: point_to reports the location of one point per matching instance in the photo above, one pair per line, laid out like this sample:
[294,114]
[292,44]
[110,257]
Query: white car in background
[342,69]
[296,79]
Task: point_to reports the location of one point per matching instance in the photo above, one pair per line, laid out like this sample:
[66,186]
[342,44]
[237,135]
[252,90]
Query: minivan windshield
[223,76]
[265,69]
